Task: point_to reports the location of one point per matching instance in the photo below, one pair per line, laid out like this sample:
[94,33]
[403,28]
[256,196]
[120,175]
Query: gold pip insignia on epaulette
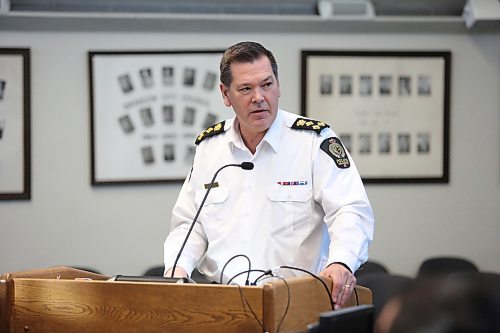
[309,124]
[211,131]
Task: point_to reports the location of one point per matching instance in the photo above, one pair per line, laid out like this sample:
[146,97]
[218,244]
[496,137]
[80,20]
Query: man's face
[254,93]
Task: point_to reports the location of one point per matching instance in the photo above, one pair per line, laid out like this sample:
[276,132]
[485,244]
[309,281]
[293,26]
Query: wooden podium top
[62,299]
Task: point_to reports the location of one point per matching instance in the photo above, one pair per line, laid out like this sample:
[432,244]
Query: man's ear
[225,94]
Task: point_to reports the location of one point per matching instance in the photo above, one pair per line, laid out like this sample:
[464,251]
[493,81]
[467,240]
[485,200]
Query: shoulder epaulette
[309,124]
[211,131]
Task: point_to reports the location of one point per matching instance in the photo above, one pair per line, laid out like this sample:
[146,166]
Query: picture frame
[391,109]
[15,124]
[147,108]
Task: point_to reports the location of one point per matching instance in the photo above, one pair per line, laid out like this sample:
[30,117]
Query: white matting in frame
[147,108]
[15,146]
[389,108]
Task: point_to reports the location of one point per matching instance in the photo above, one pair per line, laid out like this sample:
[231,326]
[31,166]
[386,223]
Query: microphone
[244,166]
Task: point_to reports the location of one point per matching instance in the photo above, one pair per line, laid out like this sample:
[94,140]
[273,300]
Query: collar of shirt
[272,136]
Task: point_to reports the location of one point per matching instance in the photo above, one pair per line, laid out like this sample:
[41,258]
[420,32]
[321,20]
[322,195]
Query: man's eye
[244,90]
[268,84]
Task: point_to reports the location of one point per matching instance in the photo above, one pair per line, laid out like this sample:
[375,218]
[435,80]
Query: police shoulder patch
[211,131]
[334,148]
[309,124]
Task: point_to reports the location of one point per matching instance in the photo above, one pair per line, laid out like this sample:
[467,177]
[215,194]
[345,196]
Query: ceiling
[257,15]
[261,7]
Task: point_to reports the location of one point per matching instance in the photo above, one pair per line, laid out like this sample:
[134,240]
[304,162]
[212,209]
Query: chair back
[371,267]
[440,267]
[383,287]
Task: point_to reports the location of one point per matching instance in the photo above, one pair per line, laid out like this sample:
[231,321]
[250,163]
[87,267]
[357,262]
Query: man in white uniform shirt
[303,204]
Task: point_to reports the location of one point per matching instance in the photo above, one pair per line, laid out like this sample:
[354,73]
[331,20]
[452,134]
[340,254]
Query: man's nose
[257,96]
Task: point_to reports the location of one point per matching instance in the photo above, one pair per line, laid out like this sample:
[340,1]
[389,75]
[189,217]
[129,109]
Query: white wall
[121,229]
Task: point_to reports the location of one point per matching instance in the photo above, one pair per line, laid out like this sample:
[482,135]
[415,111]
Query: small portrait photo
[424,85]
[2,126]
[210,120]
[147,117]
[423,143]
[345,84]
[384,143]
[365,143]
[365,85]
[3,84]
[209,81]
[385,85]
[189,156]
[168,152]
[146,75]
[404,86]
[167,74]
[126,124]
[147,155]
[404,143]
[189,75]
[168,114]
[125,83]
[346,141]
[326,84]
[189,114]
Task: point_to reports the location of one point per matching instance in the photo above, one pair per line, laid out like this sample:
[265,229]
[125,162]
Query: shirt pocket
[214,214]
[216,196]
[291,210]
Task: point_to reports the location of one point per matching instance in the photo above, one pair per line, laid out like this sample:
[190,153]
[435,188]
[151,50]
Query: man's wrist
[340,263]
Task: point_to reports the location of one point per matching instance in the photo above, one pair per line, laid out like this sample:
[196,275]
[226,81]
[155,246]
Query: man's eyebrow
[270,77]
[246,83]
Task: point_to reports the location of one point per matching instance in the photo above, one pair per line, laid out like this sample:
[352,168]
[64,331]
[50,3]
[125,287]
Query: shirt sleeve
[340,192]
[183,214]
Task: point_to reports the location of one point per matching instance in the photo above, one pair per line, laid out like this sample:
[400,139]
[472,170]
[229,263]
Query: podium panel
[75,302]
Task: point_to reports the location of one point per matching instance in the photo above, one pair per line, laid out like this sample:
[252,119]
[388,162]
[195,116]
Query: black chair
[383,287]
[371,267]
[440,267]
[487,280]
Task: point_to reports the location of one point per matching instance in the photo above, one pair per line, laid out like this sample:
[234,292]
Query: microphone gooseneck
[244,166]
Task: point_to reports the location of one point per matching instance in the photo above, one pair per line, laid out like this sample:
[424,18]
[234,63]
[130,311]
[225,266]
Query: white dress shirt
[297,207]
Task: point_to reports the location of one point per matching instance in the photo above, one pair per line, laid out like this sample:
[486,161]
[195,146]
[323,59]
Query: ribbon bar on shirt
[293,183]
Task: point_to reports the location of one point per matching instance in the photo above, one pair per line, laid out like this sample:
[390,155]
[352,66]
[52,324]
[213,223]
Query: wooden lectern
[63,299]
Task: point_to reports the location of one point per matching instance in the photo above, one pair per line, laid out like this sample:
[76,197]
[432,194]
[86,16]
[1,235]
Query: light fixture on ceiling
[360,9]
[4,7]
[481,11]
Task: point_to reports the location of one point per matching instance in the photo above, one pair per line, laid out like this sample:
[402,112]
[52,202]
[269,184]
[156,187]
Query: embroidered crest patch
[334,148]
[211,131]
[309,124]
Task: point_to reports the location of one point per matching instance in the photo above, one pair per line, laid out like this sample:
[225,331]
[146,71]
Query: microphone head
[247,165]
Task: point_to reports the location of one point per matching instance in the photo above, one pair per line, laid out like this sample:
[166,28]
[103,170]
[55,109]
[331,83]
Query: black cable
[268,272]
[249,270]
[287,303]
[317,278]
[251,310]
[233,257]
[244,165]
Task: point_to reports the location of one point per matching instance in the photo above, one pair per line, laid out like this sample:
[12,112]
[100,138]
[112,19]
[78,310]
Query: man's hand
[179,272]
[343,283]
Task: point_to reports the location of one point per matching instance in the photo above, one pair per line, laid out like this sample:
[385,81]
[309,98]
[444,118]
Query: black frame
[95,181]
[443,176]
[25,146]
